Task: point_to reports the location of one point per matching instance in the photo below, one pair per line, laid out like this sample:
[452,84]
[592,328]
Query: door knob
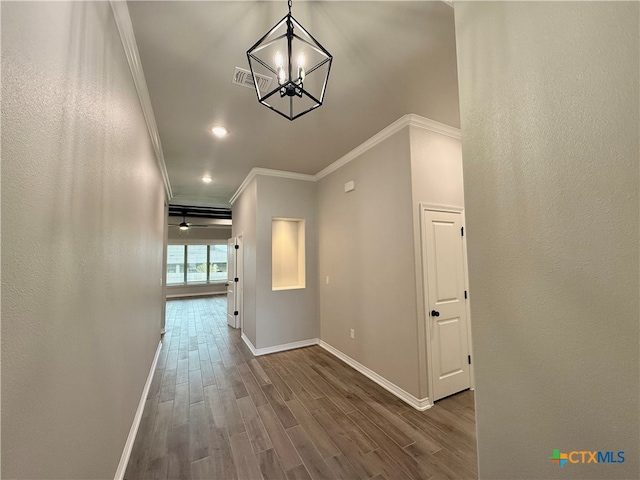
[435,313]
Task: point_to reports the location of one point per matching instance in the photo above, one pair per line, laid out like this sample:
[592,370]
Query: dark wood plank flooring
[214,411]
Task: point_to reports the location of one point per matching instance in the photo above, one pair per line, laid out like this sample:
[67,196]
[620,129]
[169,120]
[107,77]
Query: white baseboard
[417,403]
[278,348]
[128,446]
[203,294]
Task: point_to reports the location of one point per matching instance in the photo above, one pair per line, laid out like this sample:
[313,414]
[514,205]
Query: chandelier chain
[289,6]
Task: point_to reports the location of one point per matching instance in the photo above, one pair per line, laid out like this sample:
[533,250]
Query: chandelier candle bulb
[279,61]
[301,66]
[219,131]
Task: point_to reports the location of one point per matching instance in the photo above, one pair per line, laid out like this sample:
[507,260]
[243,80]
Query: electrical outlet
[353,333]
[327,279]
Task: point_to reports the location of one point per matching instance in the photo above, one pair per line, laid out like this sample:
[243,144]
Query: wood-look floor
[215,411]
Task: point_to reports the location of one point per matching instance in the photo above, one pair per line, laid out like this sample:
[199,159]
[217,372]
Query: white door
[232,301]
[447,313]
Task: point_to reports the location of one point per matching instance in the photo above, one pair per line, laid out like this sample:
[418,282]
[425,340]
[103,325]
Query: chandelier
[300,65]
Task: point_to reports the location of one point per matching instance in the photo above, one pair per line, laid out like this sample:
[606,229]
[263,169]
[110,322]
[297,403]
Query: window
[217,263]
[196,264]
[175,264]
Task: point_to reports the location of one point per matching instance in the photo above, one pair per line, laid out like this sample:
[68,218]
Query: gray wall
[82,242]
[286,316]
[370,247]
[245,223]
[366,248]
[550,121]
[273,318]
[436,179]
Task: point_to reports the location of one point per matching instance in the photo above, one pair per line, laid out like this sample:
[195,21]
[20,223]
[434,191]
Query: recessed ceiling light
[207,179]
[219,131]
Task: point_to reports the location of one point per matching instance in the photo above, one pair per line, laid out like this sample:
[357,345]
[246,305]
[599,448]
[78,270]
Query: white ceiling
[390,59]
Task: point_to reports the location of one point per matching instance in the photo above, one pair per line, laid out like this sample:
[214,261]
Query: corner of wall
[285,316]
[359,227]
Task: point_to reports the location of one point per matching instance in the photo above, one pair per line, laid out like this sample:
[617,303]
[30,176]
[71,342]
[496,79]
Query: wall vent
[243,78]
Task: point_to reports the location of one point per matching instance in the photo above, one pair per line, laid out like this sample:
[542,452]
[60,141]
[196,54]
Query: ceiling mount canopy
[299,64]
[184,225]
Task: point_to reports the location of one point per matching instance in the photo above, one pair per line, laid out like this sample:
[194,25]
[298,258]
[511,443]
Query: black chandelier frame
[293,87]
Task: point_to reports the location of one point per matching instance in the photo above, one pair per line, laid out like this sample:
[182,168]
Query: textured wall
[370,247]
[273,318]
[550,121]
[436,179]
[286,316]
[366,248]
[244,223]
[82,242]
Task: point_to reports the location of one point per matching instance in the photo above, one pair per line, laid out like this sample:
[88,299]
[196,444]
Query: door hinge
[469,359]
[236,279]
[237,247]
[235,313]
[462,231]
[465,294]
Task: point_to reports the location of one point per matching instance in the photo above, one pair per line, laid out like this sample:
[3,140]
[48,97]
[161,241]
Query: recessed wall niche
[287,253]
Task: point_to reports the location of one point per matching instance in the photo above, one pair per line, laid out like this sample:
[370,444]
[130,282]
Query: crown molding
[433,126]
[407,120]
[368,144]
[128,39]
[267,172]
[404,121]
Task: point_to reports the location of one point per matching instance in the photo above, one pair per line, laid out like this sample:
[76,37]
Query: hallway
[216,412]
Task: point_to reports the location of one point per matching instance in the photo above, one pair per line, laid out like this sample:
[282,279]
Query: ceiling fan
[184,226]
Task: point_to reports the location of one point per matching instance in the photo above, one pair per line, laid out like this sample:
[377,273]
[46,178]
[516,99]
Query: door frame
[231,285]
[240,285]
[424,207]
